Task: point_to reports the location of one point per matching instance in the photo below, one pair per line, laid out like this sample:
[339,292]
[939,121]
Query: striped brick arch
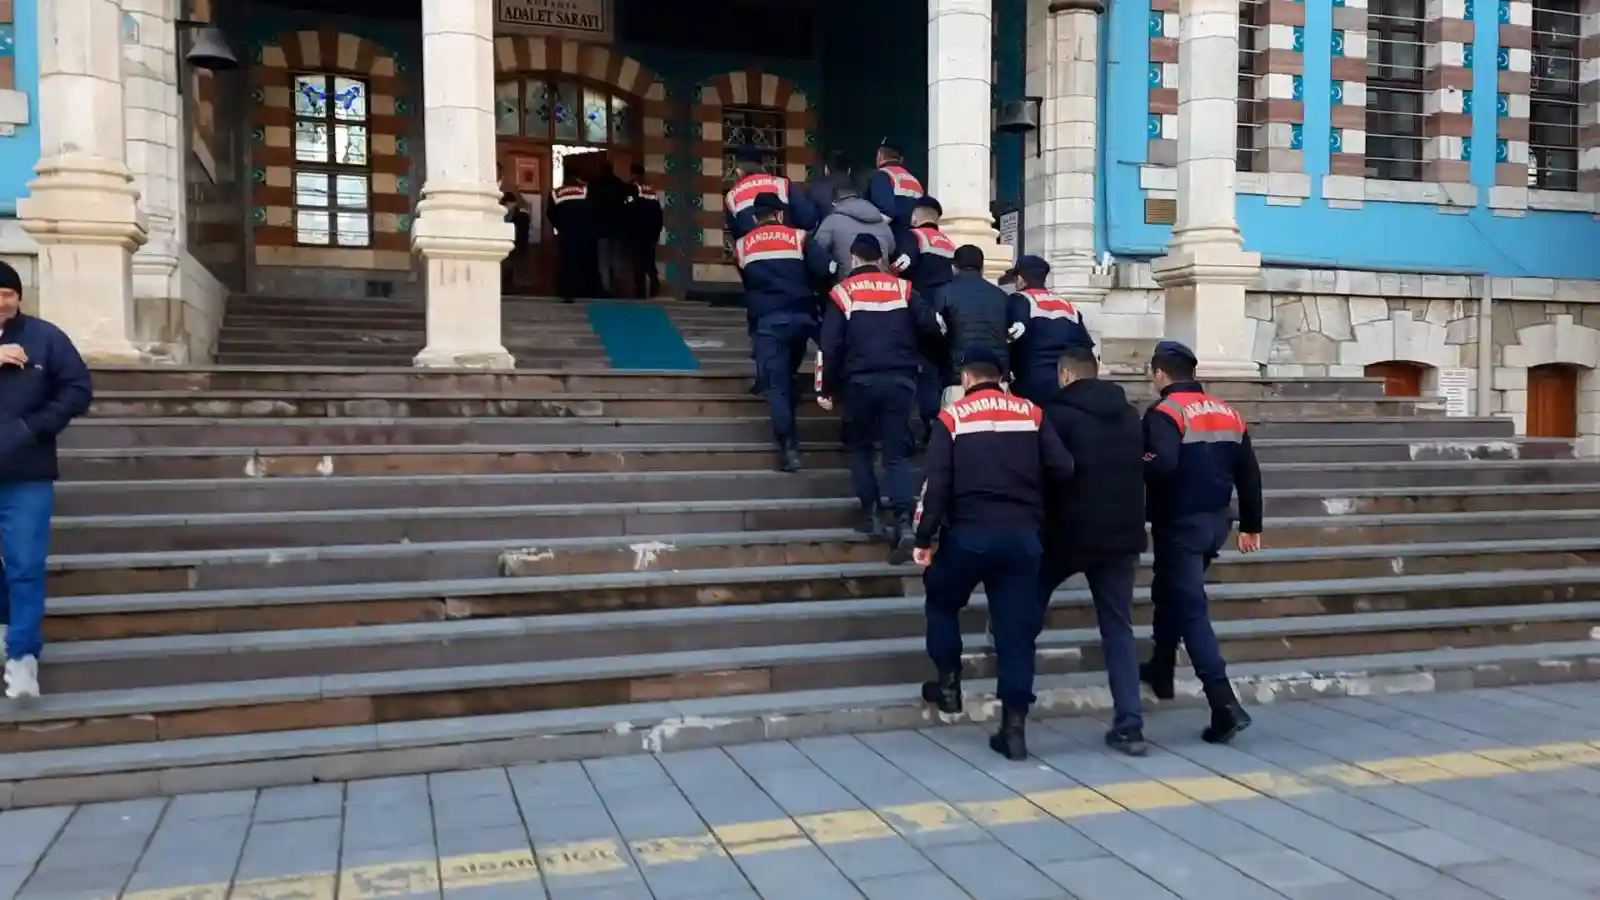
[526,55]
[329,51]
[750,89]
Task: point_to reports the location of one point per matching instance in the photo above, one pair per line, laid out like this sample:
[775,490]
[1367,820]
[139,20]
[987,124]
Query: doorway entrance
[548,125]
[1400,379]
[1553,401]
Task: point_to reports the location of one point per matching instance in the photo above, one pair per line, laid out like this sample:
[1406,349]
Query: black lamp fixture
[1021,117]
[210,49]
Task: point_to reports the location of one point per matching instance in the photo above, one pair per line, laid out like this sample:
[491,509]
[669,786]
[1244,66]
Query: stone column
[1206,269]
[960,123]
[82,209]
[461,231]
[150,79]
[1064,42]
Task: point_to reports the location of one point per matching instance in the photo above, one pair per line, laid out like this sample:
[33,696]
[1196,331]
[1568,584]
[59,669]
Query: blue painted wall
[20,151]
[1379,235]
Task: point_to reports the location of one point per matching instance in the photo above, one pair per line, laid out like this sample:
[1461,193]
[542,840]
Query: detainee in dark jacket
[992,466]
[976,314]
[1096,525]
[44,385]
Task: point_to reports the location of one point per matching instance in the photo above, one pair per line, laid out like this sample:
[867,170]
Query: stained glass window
[563,111]
[507,109]
[761,129]
[332,186]
[568,111]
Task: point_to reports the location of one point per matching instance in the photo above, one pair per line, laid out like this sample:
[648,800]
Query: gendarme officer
[989,467]
[1197,453]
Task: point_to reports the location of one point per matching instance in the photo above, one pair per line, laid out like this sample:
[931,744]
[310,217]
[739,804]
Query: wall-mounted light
[210,50]
[1021,117]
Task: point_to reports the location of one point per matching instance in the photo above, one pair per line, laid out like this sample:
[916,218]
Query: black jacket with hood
[1102,510]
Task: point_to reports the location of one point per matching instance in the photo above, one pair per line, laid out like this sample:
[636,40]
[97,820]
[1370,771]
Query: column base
[1205,306]
[997,257]
[462,236]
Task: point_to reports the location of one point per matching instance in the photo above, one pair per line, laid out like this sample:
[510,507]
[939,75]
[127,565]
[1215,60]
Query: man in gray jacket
[852,216]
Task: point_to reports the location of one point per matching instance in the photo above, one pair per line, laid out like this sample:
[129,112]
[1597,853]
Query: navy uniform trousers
[1006,563]
[1184,547]
[877,409]
[778,344]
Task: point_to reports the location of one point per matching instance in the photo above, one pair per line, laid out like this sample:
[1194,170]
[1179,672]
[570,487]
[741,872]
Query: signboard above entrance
[581,20]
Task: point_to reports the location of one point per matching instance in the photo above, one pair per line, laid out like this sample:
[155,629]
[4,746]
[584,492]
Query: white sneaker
[22,678]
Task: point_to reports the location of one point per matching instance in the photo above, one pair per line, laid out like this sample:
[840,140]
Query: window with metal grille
[759,129]
[1553,104]
[565,112]
[1252,94]
[1394,89]
[332,174]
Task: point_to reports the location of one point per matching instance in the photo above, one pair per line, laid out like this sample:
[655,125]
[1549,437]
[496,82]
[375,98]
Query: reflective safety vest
[1203,419]
[904,183]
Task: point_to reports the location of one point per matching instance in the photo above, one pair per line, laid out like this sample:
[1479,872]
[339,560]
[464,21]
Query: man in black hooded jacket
[1097,525]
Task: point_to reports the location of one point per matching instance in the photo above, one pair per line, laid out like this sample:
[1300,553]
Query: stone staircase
[540,332]
[276,576]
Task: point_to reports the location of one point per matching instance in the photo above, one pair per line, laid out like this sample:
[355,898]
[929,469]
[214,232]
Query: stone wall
[1529,334]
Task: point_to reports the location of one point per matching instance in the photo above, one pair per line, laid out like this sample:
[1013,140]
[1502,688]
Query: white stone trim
[1348,189]
[1561,341]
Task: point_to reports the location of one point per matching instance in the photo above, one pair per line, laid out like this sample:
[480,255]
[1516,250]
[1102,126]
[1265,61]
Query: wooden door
[1553,401]
[525,169]
[1400,379]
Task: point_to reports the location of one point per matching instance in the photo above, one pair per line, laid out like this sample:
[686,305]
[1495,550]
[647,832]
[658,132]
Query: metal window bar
[1395,69]
[1554,102]
[1252,139]
[762,129]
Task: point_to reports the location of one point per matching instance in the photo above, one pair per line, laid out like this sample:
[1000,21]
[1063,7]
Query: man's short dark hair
[846,191]
[969,258]
[1079,361]
[1009,277]
[839,162]
[982,371]
[891,154]
[637,169]
[1178,368]
[765,215]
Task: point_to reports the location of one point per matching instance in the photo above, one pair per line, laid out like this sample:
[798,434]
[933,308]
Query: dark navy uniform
[739,203]
[571,213]
[895,192]
[927,261]
[1051,325]
[643,228]
[1197,452]
[780,306]
[870,332]
[988,468]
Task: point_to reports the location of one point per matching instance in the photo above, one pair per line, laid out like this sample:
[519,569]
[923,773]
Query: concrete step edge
[501,547]
[177,646]
[660,727]
[100,604]
[139,701]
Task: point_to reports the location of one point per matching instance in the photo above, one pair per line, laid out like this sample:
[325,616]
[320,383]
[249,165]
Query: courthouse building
[1298,187]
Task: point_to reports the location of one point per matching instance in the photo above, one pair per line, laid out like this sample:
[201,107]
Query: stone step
[1465,498]
[630,523]
[157,713]
[305,753]
[101,665]
[256,404]
[103,616]
[533,380]
[600,430]
[250,568]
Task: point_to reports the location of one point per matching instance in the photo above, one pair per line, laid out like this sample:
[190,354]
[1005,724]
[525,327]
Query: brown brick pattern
[272,195]
[750,89]
[1589,98]
[1347,111]
[1446,125]
[1279,111]
[8,63]
[1161,127]
[1515,83]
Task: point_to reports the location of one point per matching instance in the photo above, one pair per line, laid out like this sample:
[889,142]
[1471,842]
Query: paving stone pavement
[1456,796]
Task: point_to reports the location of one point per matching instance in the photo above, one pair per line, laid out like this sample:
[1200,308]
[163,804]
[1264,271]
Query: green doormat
[640,337]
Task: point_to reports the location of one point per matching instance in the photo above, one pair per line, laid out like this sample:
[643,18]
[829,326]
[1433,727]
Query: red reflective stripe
[750,187]
[948,420]
[870,288]
[1048,302]
[995,406]
[933,237]
[903,181]
[840,297]
[1202,413]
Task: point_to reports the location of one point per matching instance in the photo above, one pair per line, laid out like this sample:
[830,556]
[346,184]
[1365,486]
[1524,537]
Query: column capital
[1206,264]
[1065,6]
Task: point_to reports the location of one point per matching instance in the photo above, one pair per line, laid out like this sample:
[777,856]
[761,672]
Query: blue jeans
[877,408]
[1184,547]
[1006,563]
[1111,580]
[25,509]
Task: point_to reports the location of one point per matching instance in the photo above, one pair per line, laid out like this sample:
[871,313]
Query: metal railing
[1554,103]
[1395,68]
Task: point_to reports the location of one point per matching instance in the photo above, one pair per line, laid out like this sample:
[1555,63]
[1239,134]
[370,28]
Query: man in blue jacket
[44,385]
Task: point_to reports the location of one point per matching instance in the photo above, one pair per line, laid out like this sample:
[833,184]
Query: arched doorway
[1400,379]
[1553,401]
[546,124]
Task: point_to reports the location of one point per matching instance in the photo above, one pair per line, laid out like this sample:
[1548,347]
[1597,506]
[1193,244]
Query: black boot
[870,524]
[789,456]
[1228,718]
[1129,740]
[945,693]
[1159,676]
[1011,741]
[902,539]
